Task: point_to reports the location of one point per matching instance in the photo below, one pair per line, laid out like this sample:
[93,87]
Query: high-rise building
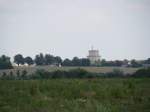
[94,56]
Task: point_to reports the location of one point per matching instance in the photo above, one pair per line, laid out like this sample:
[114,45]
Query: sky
[119,29]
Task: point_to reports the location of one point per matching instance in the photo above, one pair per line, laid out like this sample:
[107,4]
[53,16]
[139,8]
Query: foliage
[145,72]
[39,59]
[147,61]
[5,62]
[75,95]
[49,59]
[73,73]
[134,63]
[112,63]
[18,59]
[67,62]
[42,74]
[24,74]
[76,62]
[58,59]
[115,73]
[29,60]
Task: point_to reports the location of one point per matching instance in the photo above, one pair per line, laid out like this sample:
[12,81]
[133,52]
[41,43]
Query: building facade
[94,57]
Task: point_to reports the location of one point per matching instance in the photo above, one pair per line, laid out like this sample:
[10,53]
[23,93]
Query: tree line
[125,63]
[49,59]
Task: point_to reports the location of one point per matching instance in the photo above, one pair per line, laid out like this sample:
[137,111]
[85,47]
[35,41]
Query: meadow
[75,95]
[30,70]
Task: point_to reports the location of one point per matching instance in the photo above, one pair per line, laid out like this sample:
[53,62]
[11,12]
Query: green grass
[75,95]
[31,70]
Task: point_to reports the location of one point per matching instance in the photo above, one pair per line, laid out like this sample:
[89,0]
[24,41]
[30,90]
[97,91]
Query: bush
[115,73]
[145,72]
[77,73]
[24,74]
[74,73]
[40,74]
[59,74]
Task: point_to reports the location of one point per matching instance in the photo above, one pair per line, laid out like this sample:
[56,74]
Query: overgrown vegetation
[73,73]
[145,72]
[75,95]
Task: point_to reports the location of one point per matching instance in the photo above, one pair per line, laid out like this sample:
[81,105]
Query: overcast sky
[120,29]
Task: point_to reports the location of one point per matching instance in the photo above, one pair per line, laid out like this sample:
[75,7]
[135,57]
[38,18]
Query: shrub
[59,74]
[115,73]
[145,72]
[77,73]
[3,75]
[24,74]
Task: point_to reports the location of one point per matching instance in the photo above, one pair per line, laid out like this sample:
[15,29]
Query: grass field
[75,95]
[31,70]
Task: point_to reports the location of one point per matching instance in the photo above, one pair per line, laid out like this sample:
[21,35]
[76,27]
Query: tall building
[94,56]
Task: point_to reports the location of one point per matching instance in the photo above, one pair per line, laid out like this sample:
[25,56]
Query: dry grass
[31,70]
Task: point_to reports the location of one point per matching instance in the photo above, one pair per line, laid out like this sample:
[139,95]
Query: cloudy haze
[118,28]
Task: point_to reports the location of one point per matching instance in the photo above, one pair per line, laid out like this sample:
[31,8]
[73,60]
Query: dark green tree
[18,59]
[67,62]
[76,61]
[58,60]
[5,62]
[103,62]
[49,59]
[29,60]
[39,59]
[118,63]
[147,61]
[85,62]
[134,63]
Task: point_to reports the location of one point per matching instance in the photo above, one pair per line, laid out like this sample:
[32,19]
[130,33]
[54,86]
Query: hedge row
[75,73]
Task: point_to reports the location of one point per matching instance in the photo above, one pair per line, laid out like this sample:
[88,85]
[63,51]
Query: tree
[134,63]
[103,62]
[29,60]
[58,60]
[39,59]
[49,59]
[147,61]
[118,63]
[18,59]
[85,62]
[76,61]
[67,62]
[5,62]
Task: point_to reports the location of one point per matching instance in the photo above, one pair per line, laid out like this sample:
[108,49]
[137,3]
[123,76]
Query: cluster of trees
[49,59]
[111,63]
[147,61]
[5,62]
[19,59]
[76,62]
[127,63]
[40,59]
